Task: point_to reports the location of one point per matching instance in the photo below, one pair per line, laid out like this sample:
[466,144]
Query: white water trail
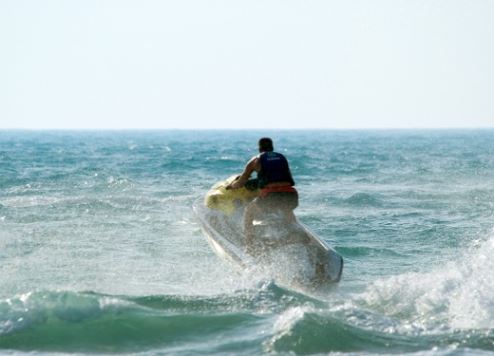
[457,295]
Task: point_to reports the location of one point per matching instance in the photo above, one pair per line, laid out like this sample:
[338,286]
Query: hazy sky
[246,64]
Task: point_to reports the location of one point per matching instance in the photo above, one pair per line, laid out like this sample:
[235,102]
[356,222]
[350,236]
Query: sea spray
[100,251]
[458,294]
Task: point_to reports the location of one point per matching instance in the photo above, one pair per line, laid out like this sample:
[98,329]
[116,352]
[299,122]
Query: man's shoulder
[255,158]
[254,162]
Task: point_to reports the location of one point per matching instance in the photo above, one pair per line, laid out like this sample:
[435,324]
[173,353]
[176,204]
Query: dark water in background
[100,251]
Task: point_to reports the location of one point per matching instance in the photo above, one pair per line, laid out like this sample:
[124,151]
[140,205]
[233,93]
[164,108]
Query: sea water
[100,251]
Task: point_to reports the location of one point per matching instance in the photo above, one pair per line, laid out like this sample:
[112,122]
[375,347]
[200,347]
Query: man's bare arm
[244,177]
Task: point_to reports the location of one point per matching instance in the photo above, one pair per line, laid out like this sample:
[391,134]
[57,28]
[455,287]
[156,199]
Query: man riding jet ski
[275,183]
[251,222]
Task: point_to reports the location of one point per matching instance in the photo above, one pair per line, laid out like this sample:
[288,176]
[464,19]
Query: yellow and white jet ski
[284,245]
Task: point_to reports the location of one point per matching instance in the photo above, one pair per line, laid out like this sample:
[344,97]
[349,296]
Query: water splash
[457,295]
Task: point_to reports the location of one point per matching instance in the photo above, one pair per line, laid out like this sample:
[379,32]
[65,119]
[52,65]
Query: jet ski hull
[288,247]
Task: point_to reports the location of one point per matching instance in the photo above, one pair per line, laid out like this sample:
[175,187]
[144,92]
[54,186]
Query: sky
[284,64]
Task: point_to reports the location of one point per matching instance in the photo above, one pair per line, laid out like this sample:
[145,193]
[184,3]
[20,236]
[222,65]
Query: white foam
[284,324]
[28,201]
[459,294]
[288,319]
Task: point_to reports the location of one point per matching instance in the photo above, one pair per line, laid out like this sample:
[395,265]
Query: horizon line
[247,128]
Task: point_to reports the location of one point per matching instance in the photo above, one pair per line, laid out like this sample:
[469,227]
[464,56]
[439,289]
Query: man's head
[265,144]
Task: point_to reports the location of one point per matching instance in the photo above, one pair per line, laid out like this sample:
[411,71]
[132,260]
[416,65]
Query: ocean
[100,251]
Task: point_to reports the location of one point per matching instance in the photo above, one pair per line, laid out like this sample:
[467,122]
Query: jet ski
[282,245]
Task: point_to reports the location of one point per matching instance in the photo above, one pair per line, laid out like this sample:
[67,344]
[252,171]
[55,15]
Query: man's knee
[285,201]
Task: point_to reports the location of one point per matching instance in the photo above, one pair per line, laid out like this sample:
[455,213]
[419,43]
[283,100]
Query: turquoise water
[100,251]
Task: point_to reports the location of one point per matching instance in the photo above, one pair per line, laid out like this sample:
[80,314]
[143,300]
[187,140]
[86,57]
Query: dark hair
[265,144]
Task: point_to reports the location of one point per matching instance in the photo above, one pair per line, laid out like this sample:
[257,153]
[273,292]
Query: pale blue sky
[246,64]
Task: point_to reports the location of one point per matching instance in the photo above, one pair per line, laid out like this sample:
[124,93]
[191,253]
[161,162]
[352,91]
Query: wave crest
[91,322]
[458,295]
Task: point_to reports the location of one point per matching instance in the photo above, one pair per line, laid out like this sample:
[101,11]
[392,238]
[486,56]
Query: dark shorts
[278,200]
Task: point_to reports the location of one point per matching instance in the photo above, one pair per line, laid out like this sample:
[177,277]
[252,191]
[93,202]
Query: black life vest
[274,168]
